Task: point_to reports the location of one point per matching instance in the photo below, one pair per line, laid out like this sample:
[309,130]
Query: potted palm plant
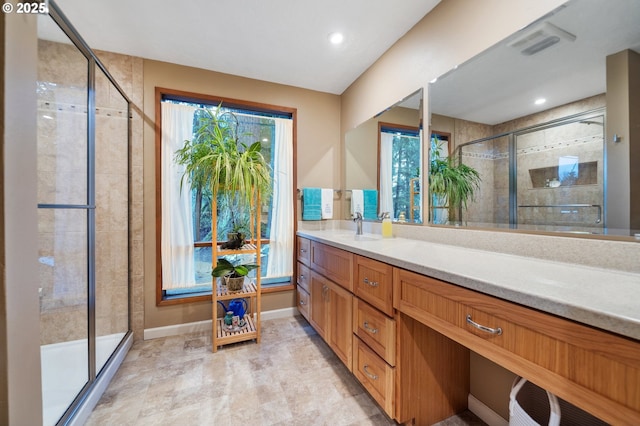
[451,183]
[215,158]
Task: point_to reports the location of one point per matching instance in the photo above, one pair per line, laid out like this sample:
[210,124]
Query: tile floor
[290,378]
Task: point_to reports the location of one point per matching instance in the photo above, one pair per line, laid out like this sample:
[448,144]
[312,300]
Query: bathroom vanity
[403,315]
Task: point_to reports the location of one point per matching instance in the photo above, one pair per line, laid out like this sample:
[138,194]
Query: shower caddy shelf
[221,335]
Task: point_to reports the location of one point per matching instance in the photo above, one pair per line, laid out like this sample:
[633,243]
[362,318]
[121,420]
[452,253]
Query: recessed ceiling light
[540,101]
[336,38]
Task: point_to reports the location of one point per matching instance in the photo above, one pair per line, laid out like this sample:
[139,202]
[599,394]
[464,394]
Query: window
[400,171]
[184,226]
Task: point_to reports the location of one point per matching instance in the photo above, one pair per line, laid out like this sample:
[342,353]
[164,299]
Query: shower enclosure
[547,177]
[83,180]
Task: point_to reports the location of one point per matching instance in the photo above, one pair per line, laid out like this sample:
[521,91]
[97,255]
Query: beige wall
[318,160]
[20,395]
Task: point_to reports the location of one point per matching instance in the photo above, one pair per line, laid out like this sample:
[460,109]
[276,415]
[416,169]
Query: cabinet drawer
[593,369]
[373,283]
[303,302]
[376,329]
[375,375]
[304,250]
[333,263]
[303,276]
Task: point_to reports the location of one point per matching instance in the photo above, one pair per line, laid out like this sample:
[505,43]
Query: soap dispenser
[387,227]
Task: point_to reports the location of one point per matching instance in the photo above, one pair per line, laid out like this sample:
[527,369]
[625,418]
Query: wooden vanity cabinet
[407,338]
[593,369]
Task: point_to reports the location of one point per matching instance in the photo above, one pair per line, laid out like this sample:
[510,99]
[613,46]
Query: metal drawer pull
[302,302]
[366,371]
[303,250]
[497,331]
[369,329]
[371,283]
[300,278]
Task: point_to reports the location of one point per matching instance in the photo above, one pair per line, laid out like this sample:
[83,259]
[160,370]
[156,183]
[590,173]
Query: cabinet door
[319,303]
[340,323]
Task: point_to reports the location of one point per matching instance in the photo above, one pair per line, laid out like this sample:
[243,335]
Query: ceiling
[280,41]
[501,83]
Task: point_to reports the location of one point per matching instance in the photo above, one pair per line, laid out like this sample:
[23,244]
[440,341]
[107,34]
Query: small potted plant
[234,220]
[232,275]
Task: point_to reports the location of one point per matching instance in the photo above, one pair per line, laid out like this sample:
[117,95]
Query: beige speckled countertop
[603,298]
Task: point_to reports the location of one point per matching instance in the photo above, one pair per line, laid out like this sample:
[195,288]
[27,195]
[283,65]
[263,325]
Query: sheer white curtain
[178,269]
[281,232]
[386,180]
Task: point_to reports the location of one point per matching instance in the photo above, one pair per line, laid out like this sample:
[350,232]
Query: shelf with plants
[237,174]
[224,270]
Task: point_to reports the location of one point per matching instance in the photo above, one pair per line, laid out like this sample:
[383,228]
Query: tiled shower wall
[61,314]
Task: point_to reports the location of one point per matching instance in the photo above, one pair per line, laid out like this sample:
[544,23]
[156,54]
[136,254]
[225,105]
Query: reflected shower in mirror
[550,130]
[385,153]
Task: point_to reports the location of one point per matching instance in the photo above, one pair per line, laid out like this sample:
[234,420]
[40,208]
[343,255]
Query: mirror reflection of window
[568,169]
[400,172]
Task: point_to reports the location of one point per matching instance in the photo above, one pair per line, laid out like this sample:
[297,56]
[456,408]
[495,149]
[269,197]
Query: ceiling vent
[540,38]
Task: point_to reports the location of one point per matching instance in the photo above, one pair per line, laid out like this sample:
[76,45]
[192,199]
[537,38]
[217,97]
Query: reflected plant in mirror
[569,164]
[452,184]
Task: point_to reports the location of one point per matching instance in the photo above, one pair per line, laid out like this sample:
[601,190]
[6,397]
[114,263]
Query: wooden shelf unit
[251,288]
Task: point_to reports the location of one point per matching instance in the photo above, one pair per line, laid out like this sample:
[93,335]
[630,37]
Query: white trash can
[530,405]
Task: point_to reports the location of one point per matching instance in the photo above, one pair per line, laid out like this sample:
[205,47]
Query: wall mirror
[558,165]
[385,153]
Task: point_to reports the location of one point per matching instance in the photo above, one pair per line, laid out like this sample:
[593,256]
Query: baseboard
[279,313]
[485,413]
[205,326]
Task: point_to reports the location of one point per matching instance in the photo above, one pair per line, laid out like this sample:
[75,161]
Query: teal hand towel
[311,204]
[370,204]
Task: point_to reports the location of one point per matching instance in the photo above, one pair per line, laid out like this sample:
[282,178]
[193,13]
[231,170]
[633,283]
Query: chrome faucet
[358,221]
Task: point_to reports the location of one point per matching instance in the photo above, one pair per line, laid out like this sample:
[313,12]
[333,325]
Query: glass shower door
[112,229]
[63,222]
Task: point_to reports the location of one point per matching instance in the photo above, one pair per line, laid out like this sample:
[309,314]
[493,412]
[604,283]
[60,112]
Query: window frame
[162,93]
